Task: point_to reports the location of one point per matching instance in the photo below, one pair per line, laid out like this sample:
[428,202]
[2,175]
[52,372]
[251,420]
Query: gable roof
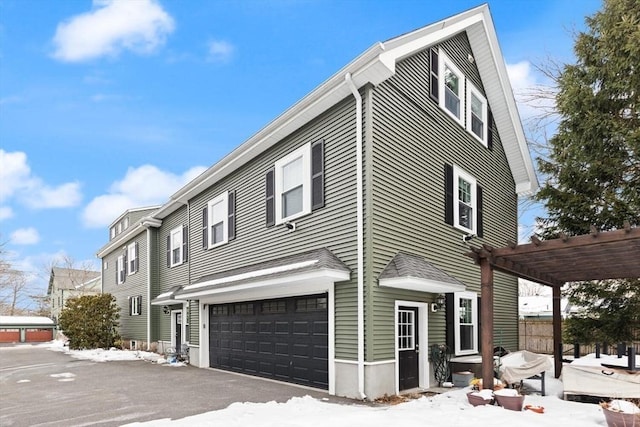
[374,66]
[70,278]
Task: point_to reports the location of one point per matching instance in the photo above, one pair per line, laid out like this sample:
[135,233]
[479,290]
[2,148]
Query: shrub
[90,321]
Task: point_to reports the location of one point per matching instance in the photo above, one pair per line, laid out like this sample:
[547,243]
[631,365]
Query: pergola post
[486,313]
[557,332]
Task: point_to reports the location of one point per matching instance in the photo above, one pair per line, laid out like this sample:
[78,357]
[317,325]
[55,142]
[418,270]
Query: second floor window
[177,246]
[218,220]
[463,201]
[120,270]
[132,258]
[295,185]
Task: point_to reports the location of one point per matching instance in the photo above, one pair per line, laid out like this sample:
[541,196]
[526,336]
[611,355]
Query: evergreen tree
[593,166]
[90,321]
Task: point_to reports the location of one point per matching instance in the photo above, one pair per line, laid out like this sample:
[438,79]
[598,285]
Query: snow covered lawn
[448,409]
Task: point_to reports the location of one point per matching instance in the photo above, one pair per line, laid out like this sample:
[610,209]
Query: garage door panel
[284,339]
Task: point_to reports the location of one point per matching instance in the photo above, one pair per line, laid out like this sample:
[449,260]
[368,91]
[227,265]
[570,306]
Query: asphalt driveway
[40,387]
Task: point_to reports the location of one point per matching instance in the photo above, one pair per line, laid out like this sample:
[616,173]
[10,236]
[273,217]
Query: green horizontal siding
[411,140]
[333,226]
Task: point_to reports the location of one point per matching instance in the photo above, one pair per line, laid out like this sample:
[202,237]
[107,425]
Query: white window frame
[445,62]
[120,267]
[472,91]
[131,258]
[457,174]
[224,199]
[125,223]
[303,152]
[113,232]
[119,228]
[473,297]
[133,305]
[178,231]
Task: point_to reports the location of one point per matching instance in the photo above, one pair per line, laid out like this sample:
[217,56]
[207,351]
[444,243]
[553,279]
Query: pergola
[594,256]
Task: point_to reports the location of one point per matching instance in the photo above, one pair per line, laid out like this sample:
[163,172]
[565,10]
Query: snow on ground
[448,409]
[111,355]
[451,408]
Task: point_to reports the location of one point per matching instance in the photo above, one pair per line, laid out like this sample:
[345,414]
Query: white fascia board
[120,240]
[294,284]
[128,211]
[168,301]
[502,101]
[364,69]
[421,285]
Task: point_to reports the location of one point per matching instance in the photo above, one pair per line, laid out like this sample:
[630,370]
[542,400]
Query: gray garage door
[284,339]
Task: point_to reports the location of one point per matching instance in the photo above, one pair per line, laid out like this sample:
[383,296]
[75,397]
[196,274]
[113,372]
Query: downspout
[359,232]
[149,262]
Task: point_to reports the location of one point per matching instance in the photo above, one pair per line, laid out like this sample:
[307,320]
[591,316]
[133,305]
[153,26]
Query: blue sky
[111,104]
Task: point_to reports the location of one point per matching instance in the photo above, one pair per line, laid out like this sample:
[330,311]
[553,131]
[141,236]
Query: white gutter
[359,232]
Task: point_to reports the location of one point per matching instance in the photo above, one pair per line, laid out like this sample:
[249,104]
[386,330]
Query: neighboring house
[67,283]
[328,249]
[127,272]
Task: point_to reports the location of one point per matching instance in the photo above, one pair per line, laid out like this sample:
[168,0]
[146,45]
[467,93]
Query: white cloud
[533,94]
[143,186]
[18,181]
[220,51]
[5,212]
[112,26]
[25,236]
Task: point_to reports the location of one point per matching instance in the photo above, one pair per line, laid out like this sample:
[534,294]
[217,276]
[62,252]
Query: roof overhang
[421,285]
[168,298]
[303,273]
[374,66]
[120,240]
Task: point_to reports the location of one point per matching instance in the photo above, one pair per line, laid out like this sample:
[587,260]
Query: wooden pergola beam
[594,256]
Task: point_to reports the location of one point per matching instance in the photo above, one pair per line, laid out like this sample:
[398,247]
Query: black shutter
[139,301]
[270,198]
[489,129]
[450,322]
[130,304]
[205,228]
[117,272]
[433,83]
[126,266]
[479,228]
[231,216]
[136,261]
[317,174]
[185,243]
[448,194]
[169,250]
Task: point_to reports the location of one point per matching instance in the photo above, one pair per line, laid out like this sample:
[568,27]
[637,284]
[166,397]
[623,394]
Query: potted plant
[621,413]
[510,399]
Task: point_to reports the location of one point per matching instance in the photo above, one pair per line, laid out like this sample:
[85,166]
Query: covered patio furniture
[520,365]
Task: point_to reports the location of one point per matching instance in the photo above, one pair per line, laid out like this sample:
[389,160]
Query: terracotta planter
[513,403]
[476,399]
[620,419]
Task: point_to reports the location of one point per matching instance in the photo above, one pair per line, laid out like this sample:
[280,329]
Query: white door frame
[423,342]
[174,313]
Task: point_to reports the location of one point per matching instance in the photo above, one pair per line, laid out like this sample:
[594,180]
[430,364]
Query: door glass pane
[406,330]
